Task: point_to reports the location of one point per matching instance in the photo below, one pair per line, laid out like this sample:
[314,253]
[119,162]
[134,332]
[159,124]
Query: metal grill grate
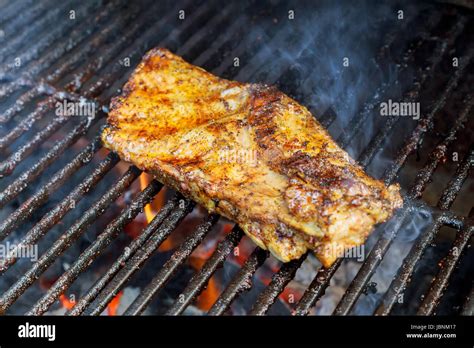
[53,69]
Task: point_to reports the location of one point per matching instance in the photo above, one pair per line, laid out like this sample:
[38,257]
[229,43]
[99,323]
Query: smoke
[419,218]
[328,56]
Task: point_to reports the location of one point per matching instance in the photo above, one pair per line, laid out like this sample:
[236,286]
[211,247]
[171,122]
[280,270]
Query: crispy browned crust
[250,153]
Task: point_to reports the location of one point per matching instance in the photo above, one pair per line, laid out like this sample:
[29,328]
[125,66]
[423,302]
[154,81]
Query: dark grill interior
[61,190]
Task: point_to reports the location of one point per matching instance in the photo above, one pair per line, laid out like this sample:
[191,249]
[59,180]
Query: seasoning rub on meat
[249,153]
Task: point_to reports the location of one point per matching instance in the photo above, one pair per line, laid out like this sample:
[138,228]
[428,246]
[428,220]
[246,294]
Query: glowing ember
[154,206]
[209,295]
[114,304]
[290,295]
[65,302]
[150,210]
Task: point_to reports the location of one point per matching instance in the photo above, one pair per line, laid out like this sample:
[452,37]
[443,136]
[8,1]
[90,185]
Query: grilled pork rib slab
[249,153]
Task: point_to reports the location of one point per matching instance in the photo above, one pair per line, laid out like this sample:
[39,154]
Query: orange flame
[209,295]
[152,208]
[113,306]
[65,302]
[290,295]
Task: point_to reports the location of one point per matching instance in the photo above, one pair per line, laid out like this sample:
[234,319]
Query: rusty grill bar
[201,37]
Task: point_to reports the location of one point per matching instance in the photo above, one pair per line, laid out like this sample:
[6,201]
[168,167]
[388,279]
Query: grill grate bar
[241,282]
[59,48]
[194,20]
[200,279]
[92,67]
[410,261]
[203,38]
[40,111]
[26,123]
[10,12]
[386,305]
[214,50]
[8,88]
[8,166]
[132,258]
[424,175]
[243,50]
[454,221]
[29,15]
[373,260]
[170,267]
[109,54]
[316,289]
[20,103]
[29,206]
[39,29]
[96,90]
[441,281]
[43,163]
[72,62]
[61,209]
[39,26]
[19,185]
[277,285]
[328,115]
[100,82]
[36,169]
[449,195]
[106,20]
[413,94]
[412,143]
[92,293]
[104,87]
[97,209]
[94,250]
[359,120]
[369,266]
